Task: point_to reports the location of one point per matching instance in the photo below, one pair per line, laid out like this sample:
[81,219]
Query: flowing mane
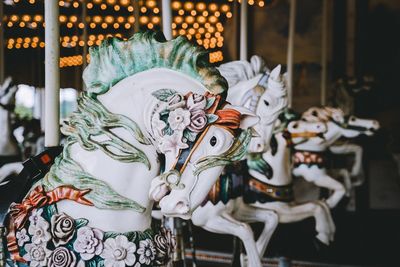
[116,59]
[241,70]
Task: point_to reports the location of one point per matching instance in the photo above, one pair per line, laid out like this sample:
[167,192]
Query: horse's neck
[8,146]
[280,163]
[333,133]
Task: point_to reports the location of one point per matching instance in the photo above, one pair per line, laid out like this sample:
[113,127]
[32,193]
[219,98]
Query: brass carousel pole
[292,25]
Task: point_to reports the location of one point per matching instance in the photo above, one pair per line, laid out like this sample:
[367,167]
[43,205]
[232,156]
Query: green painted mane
[116,59]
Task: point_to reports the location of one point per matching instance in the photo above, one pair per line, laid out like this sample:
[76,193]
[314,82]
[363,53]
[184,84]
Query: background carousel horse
[269,184]
[250,85]
[144,97]
[31,142]
[310,156]
[9,151]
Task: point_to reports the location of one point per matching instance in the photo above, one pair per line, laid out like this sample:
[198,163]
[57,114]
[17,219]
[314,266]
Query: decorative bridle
[345,125]
[228,119]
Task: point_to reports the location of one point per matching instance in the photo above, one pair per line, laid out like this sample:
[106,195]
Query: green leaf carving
[164,94]
[191,136]
[81,222]
[211,118]
[210,102]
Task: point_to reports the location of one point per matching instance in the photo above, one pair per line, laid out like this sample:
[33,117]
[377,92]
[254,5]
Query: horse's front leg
[224,223]
[354,149]
[320,178]
[246,213]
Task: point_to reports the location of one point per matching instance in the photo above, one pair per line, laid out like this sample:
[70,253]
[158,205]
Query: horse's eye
[314,113]
[213,141]
[295,125]
[352,119]
[266,103]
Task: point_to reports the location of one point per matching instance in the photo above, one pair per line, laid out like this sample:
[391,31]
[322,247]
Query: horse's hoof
[323,238]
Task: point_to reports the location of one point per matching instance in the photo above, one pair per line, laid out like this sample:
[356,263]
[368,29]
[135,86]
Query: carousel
[196,133]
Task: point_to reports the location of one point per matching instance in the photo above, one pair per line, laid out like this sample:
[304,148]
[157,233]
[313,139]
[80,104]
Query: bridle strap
[347,126]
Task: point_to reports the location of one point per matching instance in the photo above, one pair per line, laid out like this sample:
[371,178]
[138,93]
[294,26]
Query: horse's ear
[276,72]
[248,118]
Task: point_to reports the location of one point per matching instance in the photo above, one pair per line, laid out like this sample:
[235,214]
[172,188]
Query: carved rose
[62,228]
[176,101]
[179,119]
[198,121]
[88,242]
[196,102]
[62,257]
[164,243]
[36,254]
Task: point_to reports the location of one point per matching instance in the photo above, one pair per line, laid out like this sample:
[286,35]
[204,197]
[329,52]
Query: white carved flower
[36,216]
[176,101]
[173,143]
[179,119]
[22,237]
[118,252]
[37,255]
[146,251]
[158,126]
[88,242]
[40,232]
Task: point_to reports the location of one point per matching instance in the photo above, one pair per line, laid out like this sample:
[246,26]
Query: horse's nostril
[182,207]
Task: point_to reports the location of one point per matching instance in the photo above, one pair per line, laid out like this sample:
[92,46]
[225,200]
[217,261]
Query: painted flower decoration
[179,119]
[176,101]
[62,257]
[22,237]
[173,143]
[164,243]
[146,251]
[39,231]
[88,242]
[118,252]
[36,215]
[198,121]
[37,255]
[62,228]
[196,102]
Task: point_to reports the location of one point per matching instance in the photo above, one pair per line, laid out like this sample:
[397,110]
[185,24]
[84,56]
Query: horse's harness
[228,119]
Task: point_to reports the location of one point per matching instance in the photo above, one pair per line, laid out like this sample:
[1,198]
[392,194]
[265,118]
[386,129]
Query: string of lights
[198,21]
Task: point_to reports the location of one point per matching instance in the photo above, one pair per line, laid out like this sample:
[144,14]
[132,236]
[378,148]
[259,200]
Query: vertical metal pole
[1,43]
[350,37]
[243,30]
[324,51]
[136,15]
[84,39]
[52,74]
[167,19]
[292,25]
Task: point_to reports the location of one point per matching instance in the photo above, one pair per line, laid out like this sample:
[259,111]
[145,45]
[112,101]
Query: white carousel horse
[268,187]
[252,86]
[145,97]
[9,150]
[309,157]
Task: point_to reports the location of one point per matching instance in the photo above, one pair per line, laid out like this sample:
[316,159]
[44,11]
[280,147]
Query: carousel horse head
[351,125]
[8,91]
[184,114]
[253,86]
[298,131]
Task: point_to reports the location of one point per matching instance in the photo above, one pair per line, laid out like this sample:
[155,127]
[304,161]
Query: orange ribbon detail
[228,118]
[39,198]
